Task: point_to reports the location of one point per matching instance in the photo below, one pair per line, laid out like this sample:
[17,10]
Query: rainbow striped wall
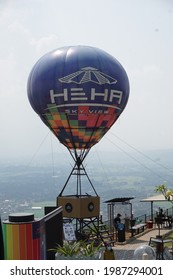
[24,241]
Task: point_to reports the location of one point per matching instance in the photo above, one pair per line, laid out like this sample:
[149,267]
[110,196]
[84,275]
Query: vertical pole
[131,218]
[152,218]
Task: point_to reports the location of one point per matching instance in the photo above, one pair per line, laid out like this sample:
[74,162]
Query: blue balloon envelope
[79,92]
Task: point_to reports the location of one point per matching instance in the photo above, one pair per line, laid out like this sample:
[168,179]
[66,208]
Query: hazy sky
[138,33]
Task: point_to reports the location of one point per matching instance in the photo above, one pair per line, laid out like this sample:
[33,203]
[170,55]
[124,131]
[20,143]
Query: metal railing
[145,218]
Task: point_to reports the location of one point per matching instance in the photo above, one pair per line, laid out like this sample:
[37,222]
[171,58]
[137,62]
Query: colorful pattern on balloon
[76,131]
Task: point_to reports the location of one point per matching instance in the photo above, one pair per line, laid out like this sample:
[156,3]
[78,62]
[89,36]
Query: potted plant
[90,251]
[77,250]
[67,251]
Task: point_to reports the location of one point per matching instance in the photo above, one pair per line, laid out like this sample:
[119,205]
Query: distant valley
[24,185]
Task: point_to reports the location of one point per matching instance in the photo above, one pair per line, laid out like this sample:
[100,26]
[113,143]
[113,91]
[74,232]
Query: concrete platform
[125,251]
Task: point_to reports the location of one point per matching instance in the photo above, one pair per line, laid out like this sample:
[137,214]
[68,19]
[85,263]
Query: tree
[168,194]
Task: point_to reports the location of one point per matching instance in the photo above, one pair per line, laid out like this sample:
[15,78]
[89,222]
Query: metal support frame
[79,170]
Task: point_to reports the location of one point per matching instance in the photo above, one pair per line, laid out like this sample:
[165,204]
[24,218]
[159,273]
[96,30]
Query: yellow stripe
[9,242]
[16,252]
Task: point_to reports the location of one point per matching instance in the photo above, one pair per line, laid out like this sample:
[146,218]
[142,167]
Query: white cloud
[43,44]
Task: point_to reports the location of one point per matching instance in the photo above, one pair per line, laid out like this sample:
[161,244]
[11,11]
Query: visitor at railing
[117,221]
[163,219]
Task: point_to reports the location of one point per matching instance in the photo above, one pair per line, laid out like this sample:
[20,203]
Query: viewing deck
[125,251]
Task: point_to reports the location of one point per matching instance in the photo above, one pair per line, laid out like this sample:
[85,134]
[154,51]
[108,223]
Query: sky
[138,33]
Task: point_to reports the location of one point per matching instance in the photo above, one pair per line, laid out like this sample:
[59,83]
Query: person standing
[117,221]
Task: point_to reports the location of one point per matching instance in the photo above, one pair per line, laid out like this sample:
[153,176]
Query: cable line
[143,165]
[105,173]
[146,156]
[38,149]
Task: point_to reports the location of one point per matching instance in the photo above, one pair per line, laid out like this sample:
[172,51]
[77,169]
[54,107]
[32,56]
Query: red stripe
[29,243]
[22,241]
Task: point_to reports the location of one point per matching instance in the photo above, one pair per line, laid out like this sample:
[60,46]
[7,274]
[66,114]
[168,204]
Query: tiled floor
[126,250]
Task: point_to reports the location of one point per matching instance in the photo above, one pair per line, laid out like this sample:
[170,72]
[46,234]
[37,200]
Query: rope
[143,165]
[141,153]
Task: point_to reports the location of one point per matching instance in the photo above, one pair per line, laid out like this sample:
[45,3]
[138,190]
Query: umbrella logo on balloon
[88,74]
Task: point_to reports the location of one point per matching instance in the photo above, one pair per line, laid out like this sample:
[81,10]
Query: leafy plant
[68,249]
[89,249]
[77,248]
[168,194]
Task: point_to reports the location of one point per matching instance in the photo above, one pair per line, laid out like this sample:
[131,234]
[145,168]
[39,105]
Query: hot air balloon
[79,92]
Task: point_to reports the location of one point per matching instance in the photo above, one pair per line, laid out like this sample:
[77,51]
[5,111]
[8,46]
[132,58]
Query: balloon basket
[79,206]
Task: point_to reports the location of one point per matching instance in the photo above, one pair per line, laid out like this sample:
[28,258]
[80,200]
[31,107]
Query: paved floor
[126,250]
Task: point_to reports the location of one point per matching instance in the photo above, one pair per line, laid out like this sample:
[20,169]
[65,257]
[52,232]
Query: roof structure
[119,199]
[111,205]
[155,198]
